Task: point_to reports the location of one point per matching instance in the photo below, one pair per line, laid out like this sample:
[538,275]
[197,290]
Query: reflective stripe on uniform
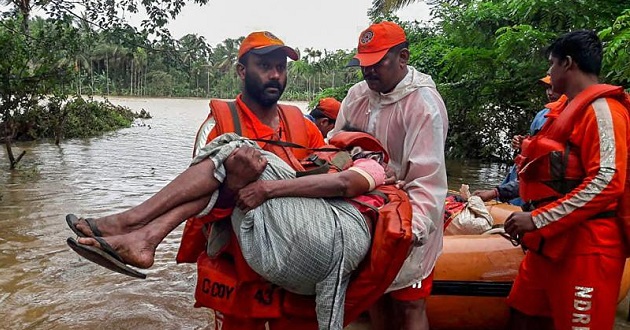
[603,177]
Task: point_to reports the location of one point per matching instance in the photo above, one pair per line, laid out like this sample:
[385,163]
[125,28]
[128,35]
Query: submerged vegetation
[74,119]
[484,55]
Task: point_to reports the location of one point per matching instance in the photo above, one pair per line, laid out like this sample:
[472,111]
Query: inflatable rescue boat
[474,275]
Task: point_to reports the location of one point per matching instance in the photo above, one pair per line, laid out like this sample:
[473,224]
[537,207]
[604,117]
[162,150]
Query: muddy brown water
[44,285]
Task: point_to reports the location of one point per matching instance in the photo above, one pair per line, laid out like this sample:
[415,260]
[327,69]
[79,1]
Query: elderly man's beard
[257,91]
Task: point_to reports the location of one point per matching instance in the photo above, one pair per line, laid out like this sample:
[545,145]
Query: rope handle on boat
[514,241]
[498,230]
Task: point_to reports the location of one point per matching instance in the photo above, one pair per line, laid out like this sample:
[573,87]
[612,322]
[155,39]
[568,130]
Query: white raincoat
[411,122]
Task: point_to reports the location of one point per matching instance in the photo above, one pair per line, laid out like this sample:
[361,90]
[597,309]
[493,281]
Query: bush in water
[75,118]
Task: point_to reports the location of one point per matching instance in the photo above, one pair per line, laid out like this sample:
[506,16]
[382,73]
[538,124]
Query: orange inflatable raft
[473,276]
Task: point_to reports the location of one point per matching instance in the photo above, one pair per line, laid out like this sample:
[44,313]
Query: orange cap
[375,41]
[264,42]
[546,80]
[329,107]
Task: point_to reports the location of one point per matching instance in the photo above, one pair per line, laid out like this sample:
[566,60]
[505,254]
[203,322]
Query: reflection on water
[43,284]
[478,175]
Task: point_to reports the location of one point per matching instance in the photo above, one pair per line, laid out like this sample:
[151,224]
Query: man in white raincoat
[403,110]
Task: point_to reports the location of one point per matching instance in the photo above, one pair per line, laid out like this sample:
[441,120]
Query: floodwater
[44,285]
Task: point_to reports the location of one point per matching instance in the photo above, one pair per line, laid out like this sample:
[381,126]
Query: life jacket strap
[235,119]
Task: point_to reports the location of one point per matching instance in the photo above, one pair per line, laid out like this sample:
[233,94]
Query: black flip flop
[72,221]
[106,257]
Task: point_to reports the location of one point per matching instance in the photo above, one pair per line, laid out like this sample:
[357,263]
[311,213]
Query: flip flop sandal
[72,221]
[106,257]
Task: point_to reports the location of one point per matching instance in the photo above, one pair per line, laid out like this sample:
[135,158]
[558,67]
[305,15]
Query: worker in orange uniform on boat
[507,191]
[573,175]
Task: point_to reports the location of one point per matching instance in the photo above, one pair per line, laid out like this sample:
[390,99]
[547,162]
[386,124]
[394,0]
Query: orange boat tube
[474,275]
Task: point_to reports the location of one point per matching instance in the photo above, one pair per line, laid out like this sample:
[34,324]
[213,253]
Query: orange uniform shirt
[253,128]
[601,138]
[193,240]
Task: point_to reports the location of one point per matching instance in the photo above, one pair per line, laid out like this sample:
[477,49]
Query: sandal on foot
[106,257]
[72,221]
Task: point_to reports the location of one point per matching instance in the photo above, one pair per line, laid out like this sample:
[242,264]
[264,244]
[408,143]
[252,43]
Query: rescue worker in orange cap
[574,226]
[325,114]
[507,191]
[254,114]
[402,108]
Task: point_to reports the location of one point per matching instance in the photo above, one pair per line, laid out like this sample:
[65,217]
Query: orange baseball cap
[329,107]
[375,41]
[546,80]
[264,42]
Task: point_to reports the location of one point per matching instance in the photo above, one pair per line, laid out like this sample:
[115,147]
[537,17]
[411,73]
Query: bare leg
[243,166]
[195,182]
[413,314]
[381,315]
[522,321]
[137,248]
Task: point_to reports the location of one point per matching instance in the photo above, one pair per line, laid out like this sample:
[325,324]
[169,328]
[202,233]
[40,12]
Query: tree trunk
[7,144]
[144,81]
[139,82]
[319,81]
[12,160]
[131,78]
[91,78]
[107,72]
[8,135]
[78,69]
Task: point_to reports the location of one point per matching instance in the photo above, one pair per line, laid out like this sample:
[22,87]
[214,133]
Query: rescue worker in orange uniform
[572,176]
[255,114]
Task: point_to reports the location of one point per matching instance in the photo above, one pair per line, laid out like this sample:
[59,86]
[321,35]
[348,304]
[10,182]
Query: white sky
[319,24]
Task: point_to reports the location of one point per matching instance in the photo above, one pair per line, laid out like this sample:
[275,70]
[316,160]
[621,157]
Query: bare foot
[132,249]
[112,225]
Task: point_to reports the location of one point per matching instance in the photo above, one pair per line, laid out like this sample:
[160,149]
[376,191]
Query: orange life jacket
[548,168]
[335,156]
[228,120]
[623,210]
[227,284]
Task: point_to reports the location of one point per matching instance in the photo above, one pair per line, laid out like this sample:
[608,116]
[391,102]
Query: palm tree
[108,56]
[226,56]
[81,61]
[196,52]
